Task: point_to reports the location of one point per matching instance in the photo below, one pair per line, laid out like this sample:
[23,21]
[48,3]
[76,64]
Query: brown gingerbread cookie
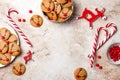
[54,0]
[47,5]
[57,8]
[60,19]
[5,59]
[67,5]
[4,34]
[61,1]
[18,69]
[14,49]
[3,47]
[69,13]
[36,21]
[80,74]
[63,13]
[12,38]
[52,16]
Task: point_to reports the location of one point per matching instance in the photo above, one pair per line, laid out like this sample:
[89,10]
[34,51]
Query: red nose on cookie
[7,42]
[7,59]
[77,76]
[51,18]
[69,0]
[65,14]
[38,24]
[48,8]
[0,50]
[55,11]
[19,72]
[10,52]
[2,37]
[63,18]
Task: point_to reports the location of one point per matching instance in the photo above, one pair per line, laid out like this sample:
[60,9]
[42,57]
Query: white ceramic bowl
[9,27]
[63,20]
[108,55]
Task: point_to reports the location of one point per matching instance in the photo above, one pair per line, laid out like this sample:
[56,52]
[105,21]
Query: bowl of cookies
[57,10]
[9,45]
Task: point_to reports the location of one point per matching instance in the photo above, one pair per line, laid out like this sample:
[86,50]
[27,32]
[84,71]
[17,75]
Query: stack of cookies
[57,10]
[9,46]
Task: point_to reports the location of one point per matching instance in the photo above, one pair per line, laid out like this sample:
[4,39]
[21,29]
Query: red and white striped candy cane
[17,27]
[92,55]
[109,35]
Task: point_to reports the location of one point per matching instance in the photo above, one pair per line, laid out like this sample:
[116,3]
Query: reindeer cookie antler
[92,15]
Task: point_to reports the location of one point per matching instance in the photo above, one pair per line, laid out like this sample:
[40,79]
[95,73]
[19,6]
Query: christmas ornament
[86,13]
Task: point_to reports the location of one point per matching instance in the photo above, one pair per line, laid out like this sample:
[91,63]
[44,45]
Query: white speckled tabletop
[60,48]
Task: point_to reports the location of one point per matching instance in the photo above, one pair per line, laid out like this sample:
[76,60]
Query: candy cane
[109,35]
[17,27]
[92,55]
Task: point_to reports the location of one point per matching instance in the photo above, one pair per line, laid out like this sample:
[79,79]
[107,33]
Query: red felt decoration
[28,57]
[93,17]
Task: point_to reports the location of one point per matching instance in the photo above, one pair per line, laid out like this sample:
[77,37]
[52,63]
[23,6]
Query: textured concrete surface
[62,47]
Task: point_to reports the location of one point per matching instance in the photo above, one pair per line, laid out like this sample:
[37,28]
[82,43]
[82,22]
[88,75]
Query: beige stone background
[62,47]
